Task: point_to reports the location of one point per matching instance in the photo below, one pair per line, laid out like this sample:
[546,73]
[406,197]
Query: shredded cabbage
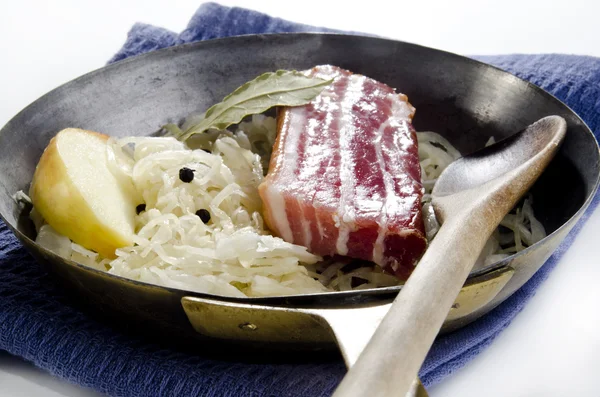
[519,229]
[233,254]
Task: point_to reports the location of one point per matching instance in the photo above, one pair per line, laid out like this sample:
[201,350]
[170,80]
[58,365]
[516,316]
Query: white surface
[19,378]
[552,348]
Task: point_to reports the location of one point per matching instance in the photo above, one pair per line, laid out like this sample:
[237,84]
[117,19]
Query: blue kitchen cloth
[40,323]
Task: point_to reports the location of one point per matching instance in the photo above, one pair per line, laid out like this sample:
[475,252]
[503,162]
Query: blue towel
[41,324]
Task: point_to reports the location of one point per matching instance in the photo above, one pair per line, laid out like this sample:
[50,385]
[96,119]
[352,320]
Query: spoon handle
[392,358]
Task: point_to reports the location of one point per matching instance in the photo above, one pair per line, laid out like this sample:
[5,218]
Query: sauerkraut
[233,254]
[518,230]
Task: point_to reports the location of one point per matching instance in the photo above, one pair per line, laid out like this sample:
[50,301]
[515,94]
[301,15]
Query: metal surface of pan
[462,99]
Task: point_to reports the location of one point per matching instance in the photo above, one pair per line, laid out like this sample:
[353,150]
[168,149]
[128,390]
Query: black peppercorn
[186,175]
[140,208]
[204,215]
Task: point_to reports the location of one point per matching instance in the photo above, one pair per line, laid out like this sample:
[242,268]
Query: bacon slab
[344,176]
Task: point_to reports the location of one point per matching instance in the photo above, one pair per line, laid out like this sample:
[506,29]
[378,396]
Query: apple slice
[76,193]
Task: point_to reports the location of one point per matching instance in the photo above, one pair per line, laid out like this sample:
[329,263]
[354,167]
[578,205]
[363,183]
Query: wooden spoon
[470,199]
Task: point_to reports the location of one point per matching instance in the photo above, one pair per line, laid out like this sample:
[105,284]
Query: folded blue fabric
[40,323]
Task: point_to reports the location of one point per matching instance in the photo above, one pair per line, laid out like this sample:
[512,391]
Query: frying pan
[462,99]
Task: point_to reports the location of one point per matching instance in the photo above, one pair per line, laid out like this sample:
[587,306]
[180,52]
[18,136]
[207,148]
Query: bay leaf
[280,88]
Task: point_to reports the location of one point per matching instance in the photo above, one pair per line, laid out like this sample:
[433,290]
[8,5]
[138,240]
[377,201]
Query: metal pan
[462,99]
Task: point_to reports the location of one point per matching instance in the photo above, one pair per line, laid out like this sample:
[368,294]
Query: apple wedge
[76,193]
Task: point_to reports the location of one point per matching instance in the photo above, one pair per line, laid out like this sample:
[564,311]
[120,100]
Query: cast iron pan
[462,99]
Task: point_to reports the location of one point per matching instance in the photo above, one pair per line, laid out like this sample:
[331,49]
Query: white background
[551,349]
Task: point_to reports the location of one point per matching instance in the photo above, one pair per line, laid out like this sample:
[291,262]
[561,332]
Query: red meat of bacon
[344,176]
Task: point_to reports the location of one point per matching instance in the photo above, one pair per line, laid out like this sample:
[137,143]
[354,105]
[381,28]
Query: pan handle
[350,328]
